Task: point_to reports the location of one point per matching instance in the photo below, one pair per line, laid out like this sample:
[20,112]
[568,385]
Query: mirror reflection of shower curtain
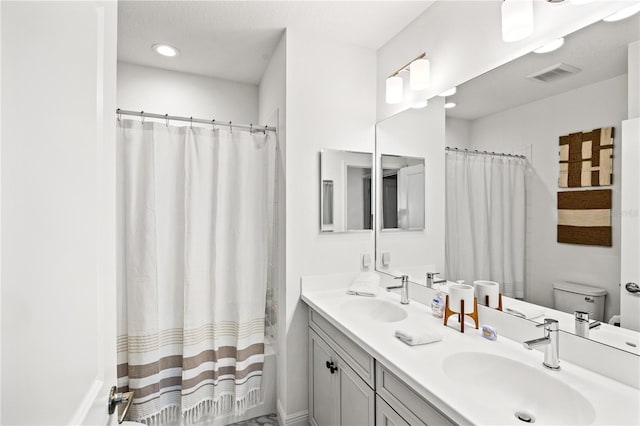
[485,220]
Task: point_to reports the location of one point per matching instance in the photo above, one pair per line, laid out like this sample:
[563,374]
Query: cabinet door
[386,416]
[357,400]
[323,385]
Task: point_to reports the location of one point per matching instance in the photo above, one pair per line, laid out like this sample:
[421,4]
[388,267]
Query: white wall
[458,133]
[539,125]
[272,110]
[159,91]
[416,133]
[463,40]
[330,104]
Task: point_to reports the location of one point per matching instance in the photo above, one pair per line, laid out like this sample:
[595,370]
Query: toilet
[570,297]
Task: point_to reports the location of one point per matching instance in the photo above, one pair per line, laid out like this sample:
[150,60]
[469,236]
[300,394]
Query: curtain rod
[168,117]
[476,152]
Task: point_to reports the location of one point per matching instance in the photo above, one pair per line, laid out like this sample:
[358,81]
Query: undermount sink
[374,309]
[526,394]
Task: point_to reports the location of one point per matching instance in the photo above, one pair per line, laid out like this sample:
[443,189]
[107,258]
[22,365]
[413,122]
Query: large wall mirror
[345,191]
[506,182]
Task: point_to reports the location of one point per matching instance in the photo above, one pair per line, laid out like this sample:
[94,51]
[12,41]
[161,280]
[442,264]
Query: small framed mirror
[345,191]
[402,182]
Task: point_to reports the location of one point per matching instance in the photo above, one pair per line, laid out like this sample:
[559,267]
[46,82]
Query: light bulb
[624,13]
[394,90]
[419,74]
[517,19]
[165,50]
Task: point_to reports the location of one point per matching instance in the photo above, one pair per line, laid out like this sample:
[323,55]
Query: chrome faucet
[431,281]
[404,286]
[582,323]
[550,339]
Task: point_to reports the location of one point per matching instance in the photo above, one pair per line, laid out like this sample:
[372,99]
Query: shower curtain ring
[142,116]
[166,118]
[213,124]
[191,122]
[119,114]
[264,132]
[231,127]
[251,129]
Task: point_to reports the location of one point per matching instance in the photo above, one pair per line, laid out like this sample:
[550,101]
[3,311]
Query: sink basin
[374,309]
[520,390]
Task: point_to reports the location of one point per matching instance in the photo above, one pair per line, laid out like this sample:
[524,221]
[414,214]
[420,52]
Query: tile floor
[269,420]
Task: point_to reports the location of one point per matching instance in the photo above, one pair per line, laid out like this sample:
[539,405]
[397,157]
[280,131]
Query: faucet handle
[549,324]
[404,278]
[581,316]
[432,274]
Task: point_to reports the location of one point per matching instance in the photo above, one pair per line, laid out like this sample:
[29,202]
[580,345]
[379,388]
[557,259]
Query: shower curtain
[485,227]
[196,219]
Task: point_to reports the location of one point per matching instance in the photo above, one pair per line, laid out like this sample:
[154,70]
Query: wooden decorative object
[448,312]
[486,301]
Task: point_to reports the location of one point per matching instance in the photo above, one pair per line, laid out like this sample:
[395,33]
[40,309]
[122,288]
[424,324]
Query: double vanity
[361,374]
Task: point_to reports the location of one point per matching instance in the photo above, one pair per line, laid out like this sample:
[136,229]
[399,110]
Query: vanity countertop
[423,367]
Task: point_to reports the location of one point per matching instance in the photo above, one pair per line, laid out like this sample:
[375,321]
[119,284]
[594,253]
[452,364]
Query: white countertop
[421,366]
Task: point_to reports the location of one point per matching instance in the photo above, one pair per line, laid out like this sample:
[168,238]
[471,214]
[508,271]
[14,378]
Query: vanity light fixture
[394,89]
[517,19]
[450,105]
[420,104]
[624,13]
[419,75]
[551,46]
[448,92]
[165,50]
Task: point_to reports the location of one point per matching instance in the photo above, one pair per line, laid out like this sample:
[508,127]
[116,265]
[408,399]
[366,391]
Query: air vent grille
[553,73]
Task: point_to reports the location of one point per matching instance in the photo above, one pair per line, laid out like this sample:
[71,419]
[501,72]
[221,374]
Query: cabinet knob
[332,366]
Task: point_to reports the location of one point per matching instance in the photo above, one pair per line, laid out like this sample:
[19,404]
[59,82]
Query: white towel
[524,312]
[365,284]
[415,337]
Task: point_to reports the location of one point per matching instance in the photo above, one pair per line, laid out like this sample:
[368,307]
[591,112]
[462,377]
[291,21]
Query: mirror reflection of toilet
[570,297]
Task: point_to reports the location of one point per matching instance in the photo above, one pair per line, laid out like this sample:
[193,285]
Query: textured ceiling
[599,50]
[234,40]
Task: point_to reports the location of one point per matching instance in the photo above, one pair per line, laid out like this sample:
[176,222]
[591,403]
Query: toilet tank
[570,297]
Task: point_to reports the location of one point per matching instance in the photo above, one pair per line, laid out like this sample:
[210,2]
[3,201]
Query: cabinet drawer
[357,358]
[386,416]
[400,396]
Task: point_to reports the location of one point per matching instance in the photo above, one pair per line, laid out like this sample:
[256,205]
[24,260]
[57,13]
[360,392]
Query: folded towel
[413,337]
[524,312]
[365,284]
[363,290]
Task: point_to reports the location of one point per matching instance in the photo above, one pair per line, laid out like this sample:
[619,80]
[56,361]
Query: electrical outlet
[366,261]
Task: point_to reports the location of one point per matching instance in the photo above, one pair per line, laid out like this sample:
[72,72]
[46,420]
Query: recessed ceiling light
[624,13]
[449,105]
[551,46]
[420,104]
[165,50]
[448,92]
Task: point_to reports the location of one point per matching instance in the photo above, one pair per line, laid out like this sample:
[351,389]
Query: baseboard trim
[300,418]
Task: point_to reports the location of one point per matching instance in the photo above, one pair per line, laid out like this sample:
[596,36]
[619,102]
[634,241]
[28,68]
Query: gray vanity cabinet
[347,387]
[338,396]
[386,416]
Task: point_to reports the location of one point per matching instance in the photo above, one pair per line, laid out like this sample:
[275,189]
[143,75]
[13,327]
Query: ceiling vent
[554,72]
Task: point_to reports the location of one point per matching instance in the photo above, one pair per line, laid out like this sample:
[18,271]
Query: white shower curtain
[485,227]
[197,214]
